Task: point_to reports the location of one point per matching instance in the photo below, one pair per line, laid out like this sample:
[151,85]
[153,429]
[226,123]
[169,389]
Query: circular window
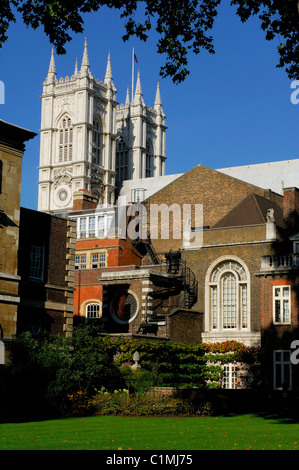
[124,308]
[62,195]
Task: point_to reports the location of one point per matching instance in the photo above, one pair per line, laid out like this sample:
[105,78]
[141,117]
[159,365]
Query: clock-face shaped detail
[62,196]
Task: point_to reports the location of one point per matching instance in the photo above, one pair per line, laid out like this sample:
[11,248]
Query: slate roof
[271,175]
[251,211]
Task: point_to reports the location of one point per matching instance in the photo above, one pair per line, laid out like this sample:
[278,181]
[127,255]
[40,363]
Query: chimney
[290,202]
[84,200]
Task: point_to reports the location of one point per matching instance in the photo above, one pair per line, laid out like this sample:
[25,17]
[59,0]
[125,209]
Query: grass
[239,432]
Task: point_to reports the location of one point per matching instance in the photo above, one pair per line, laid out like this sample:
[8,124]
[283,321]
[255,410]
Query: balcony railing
[280,262]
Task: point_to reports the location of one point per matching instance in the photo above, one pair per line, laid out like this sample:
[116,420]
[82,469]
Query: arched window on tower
[122,161]
[149,161]
[65,140]
[97,143]
[229,303]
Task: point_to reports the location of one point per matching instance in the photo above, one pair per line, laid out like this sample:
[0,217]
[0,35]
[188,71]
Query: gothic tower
[88,142]
[140,143]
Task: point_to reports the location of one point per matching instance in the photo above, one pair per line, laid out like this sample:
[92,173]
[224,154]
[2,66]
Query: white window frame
[90,226]
[95,306]
[281,299]
[285,368]
[229,376]
[236,268]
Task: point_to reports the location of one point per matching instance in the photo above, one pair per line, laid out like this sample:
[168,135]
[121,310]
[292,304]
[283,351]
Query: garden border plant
[88,373]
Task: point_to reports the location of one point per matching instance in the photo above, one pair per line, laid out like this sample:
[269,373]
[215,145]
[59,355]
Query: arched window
[93,310]
[97,142]
[228,293]
[122,161]
[65,140]
[149,161]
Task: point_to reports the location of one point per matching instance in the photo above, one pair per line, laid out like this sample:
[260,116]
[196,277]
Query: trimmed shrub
[121,403]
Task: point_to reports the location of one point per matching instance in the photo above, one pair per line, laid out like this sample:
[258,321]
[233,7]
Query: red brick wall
[290,202]
[218,193]
[277,336]
[84,200]
[119,253]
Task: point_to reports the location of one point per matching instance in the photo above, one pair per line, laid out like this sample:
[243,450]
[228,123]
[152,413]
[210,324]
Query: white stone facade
[90,142]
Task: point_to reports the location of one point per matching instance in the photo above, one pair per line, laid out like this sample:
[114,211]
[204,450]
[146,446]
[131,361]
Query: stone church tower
[88,142]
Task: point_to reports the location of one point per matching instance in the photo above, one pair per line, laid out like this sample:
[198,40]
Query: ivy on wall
[184,365]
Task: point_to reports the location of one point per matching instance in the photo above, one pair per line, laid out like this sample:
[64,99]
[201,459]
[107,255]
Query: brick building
[36,254]
[45,267]
[242,271]
[203,267]
[12,147]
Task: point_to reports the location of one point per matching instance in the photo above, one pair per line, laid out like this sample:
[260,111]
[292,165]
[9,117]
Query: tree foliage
[46,370]
[182,25]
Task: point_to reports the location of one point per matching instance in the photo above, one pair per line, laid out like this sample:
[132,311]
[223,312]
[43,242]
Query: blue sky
[233,109]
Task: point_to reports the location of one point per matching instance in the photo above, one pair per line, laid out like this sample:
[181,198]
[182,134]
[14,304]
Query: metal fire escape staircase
[181,276]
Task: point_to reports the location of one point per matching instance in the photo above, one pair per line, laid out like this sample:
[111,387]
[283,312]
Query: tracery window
[122,161]
[149,161]
[65,140]
[229,301]
[97,143]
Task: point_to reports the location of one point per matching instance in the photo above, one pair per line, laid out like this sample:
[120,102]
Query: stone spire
[85,62]
[52,69]
[158,101]
[76,67]
[138,98]
[108,76]
[127,103]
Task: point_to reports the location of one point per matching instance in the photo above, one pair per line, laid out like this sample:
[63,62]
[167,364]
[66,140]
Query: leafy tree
[45,370]
[182,25]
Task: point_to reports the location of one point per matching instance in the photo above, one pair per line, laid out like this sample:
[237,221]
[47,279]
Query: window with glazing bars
[98,260]
[66,140]
[80,262]
[93,310]
[36,263]
[281,304]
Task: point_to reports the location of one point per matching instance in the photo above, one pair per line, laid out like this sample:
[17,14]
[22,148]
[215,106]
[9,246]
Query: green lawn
[238,432]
